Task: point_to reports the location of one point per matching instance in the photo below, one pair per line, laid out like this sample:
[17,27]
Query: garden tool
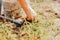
[19,22]
[28,10]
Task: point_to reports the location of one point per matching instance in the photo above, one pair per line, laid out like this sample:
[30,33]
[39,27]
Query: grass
[44,29]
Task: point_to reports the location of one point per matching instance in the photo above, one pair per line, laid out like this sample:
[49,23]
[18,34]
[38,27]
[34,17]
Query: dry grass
[47,27]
